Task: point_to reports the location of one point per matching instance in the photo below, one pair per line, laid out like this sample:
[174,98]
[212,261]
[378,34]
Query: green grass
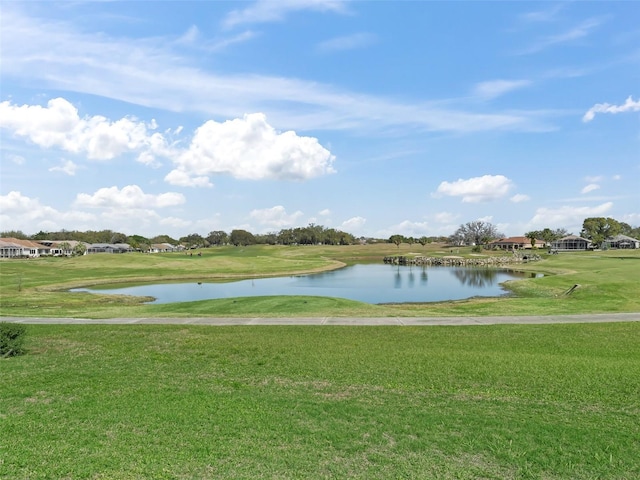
[196,402]
[609,282]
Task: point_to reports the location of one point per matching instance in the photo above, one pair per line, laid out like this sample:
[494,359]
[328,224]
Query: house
[162,248]
[64,247]
[515,243]
[621,241]
[15,247]
[571,243]
[109,248]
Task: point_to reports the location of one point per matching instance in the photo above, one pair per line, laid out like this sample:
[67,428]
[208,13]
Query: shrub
[11,339]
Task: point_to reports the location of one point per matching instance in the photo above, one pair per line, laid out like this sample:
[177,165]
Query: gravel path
[425,321]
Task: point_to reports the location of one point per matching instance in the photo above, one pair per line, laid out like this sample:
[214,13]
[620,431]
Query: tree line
[595,229]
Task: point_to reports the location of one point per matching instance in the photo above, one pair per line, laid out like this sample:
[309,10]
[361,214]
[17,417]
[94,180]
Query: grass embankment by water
[165,402]
[609,282]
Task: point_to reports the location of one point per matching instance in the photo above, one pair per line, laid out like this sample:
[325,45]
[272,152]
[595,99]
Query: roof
[573,237]
[16,242]
[620,237]
[516,240]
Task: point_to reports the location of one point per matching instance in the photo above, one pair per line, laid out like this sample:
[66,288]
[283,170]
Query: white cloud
[353,224]
[67,167]
[324,213]
[250,148]
[590,188]
[576,33]
[129,197]
[594,179]
[567,216]
[17,159]
[446,217]
[495,88]
[19,212]
[59,125]
[410,229]
[477,189]
[59,56]
[519,198]
[263,11]
[275,217]
[628,106]
[347,42]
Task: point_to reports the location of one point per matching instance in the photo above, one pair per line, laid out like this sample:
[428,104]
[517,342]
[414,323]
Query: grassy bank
[124,402]
[609,282]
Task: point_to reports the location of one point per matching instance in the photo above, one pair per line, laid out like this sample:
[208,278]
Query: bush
[11,339]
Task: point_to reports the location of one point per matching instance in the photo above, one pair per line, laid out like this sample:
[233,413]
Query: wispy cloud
[347,42]
[547,15]
[263,11]
[495,88]
[60,57]
[578,32]
[590,188]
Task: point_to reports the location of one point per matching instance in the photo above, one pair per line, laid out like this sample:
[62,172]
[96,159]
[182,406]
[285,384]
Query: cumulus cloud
[275,217]
[495,88]
[567,216]
[67,167]
[590,188]
[19,212]
[477,189]
[249,148]
[129,197]
[410,229]
[519,197]
[353,224]
[59,125]
[628,106]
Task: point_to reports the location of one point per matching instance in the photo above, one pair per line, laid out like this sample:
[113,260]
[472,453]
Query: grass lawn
[609,282]
[196,402]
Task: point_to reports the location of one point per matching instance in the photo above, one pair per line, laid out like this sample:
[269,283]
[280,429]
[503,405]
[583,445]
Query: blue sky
[375,118]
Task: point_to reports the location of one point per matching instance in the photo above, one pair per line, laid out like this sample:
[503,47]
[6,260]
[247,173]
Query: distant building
[621,241]
[515,243]
[164,247]
[109,248]
[571,243]
[16,248]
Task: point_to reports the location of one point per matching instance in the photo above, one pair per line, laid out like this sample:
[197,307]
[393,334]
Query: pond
[365,283]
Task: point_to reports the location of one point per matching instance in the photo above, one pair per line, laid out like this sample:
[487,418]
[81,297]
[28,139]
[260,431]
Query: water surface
[365,283]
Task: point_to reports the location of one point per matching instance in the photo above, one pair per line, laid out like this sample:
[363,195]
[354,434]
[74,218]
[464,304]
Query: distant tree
[218,237]
[424,240]
[476,233]
[396,239]
[533,236]
[241,238]
[597,229]
[79,249]
[118,238]
[14,234]
[163,239]
[410,241]
[193,240]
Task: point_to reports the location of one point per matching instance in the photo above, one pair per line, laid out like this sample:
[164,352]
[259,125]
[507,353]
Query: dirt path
[371,321]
